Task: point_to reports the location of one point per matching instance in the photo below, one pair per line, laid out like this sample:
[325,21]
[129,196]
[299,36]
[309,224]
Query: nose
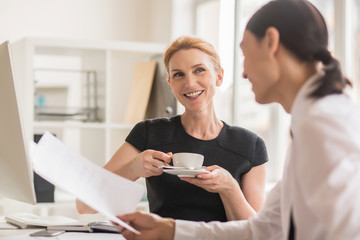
[189,80]
[245,75]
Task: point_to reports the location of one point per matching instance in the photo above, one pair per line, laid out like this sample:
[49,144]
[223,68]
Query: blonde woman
[234,188]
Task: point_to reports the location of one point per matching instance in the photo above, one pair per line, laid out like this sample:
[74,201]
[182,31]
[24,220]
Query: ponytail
[303,31]
[333,81]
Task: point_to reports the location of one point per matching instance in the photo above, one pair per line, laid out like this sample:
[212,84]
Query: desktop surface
[24,234]
[8,231]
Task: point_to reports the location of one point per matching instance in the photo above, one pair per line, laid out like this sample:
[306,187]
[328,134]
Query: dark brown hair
[303,31]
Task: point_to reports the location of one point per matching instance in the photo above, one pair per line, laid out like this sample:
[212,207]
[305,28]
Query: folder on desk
[29,220]
[102,226]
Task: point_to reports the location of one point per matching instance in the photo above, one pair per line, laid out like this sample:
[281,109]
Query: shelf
[121,126]
[68,124]
[66,113]
[78,45]
[76,124]
[59,67]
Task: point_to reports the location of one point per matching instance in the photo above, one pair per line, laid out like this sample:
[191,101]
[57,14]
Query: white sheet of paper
[102,190]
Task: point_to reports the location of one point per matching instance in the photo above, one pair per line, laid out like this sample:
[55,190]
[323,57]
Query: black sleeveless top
[235,149]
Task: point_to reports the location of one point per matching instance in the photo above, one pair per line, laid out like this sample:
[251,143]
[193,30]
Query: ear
[272,40]
[220,77]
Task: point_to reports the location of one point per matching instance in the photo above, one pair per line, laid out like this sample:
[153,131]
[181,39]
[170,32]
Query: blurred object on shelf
[162,102]
[140,91]
[75,98]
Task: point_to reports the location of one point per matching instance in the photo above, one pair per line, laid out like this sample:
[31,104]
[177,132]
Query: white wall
[161,21]
[183,18]
[129,20]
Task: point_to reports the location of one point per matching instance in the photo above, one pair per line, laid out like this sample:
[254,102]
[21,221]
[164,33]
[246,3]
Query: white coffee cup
[188,160]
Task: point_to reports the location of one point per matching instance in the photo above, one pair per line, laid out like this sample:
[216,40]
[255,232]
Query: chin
[198,108]
[262,100]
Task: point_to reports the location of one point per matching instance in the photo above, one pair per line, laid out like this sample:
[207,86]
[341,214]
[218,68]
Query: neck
[294,77]
[202,125]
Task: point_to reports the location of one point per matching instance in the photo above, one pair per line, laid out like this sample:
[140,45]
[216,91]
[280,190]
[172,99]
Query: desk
[62,207]
[9,232]
[23,234]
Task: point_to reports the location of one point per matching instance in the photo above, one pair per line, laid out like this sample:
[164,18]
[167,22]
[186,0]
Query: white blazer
[320,184]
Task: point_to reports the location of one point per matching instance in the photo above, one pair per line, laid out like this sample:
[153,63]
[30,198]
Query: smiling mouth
[193,94]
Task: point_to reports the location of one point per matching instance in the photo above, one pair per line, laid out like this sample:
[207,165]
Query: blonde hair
[187,42]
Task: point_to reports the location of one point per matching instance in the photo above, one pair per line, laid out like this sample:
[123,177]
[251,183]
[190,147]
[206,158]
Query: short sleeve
[260,153]
[137,136]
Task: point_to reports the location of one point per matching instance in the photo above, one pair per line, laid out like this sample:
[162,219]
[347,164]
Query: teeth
[193,94]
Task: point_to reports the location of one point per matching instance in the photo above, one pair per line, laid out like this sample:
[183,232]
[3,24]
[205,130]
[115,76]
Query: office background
[159,21]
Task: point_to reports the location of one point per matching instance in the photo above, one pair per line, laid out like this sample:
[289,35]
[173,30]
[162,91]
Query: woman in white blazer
[286,59]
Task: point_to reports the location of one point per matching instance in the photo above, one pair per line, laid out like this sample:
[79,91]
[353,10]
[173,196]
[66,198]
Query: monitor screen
[16,175]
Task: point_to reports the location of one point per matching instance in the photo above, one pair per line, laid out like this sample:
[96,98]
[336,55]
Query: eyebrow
[194,66]
[197,65]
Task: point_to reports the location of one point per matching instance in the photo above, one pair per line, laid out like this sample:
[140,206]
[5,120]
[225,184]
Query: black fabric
[235,149]
[44,190]
[292,226]
[291,229]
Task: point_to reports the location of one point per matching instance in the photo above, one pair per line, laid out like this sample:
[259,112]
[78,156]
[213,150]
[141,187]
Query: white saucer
[185,172]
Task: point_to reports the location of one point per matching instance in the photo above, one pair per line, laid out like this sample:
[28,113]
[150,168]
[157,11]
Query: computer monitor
[16,175]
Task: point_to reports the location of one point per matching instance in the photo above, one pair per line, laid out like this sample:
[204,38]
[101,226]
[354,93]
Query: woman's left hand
[218,180]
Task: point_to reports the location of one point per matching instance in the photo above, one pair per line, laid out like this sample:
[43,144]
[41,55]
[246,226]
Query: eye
[199,70]
[178,74]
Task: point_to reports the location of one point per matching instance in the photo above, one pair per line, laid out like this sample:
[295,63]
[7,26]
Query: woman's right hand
[146,163]
[219,180]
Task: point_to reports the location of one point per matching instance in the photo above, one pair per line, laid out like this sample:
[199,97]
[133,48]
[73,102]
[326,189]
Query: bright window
[354,50]
[222,23]
[215,23]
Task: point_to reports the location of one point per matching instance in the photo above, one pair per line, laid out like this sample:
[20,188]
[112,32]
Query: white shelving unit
[114,64]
